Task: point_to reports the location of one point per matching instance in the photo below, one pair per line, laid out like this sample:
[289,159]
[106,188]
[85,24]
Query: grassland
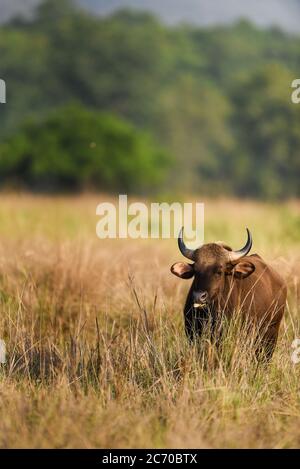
[96,352]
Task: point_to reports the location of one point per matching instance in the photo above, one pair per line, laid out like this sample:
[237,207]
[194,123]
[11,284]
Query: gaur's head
[211,264]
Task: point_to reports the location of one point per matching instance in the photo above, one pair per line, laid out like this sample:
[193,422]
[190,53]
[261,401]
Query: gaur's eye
[218,273]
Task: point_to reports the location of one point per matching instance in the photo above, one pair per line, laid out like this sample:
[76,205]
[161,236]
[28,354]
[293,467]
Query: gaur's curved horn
[236,255]
[186,252]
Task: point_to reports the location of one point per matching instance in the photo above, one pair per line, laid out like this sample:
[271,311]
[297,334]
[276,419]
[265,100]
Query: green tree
[266,161]
[75,148]
[217,98]
[194,123]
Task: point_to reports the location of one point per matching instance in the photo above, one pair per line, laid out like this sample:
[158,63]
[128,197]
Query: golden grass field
[96,351]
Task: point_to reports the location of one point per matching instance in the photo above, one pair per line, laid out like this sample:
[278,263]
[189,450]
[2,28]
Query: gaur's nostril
[203,296]
[200,297]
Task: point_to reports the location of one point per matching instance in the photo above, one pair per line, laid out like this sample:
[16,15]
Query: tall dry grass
[96,351]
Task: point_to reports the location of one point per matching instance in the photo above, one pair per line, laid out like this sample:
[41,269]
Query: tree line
[127,103]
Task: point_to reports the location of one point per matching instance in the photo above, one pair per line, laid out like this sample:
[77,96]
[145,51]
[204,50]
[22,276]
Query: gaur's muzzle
[200,299]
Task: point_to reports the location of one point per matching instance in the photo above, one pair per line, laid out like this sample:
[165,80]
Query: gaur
[227,283]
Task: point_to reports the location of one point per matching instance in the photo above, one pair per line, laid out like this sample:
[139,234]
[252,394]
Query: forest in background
[126,103]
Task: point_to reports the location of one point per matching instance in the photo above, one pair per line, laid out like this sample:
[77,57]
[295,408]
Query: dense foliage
[75,148]
[217,98]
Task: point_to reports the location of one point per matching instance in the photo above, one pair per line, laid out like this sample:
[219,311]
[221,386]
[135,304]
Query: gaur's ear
[241,269]
[183,270]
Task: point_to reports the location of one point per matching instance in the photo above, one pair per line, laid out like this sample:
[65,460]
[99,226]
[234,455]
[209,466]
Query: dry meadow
[96,351]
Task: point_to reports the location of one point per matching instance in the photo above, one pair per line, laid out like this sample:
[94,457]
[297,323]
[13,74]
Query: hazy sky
[285,13]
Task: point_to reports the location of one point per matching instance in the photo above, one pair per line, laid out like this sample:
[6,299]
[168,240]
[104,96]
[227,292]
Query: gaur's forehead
[210,254]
